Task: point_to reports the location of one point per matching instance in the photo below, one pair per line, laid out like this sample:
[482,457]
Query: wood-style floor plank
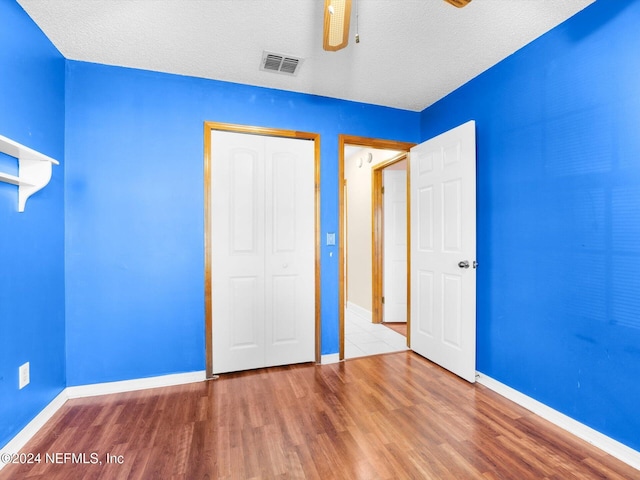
[392,416]
[398,327]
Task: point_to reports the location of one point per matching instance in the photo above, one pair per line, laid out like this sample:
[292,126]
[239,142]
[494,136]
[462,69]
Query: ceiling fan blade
[458,3]
[337,17]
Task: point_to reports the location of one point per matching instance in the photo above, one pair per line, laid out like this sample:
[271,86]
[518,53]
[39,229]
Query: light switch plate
[331,238]
[23,375]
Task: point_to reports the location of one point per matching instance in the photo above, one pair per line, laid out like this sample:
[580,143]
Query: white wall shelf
[34,170]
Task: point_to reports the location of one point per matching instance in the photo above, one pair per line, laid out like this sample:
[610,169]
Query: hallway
[362,338]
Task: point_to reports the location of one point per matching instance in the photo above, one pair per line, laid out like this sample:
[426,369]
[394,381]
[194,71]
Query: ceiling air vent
[285,64]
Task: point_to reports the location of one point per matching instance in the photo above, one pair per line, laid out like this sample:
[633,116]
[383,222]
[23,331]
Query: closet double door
[262,251]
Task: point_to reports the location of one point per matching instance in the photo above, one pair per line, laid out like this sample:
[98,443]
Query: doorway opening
[362,163]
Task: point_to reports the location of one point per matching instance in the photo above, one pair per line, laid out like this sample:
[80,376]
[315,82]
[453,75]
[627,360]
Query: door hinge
[383,300]
[382,189]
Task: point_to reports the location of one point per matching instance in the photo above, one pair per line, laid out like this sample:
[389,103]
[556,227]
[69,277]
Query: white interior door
[443,250]
[262,244]
[395,245]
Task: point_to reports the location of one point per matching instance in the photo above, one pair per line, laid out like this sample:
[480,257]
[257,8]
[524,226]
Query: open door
[443,250]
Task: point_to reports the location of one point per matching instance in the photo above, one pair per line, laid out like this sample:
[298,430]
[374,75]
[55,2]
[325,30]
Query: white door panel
[237,286]
[443,195]
[425,299]
[262,242]
[395,245]
[290,258]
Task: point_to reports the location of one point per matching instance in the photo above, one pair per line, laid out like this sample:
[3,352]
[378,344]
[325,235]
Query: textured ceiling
[411,52]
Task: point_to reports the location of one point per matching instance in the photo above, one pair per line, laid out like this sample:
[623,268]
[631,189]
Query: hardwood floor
[393,416]
[399,327]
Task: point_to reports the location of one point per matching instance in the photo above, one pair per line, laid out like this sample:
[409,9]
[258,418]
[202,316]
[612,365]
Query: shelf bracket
[34,170]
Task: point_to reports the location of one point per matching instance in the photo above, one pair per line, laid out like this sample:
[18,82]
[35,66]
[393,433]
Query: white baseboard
[360,311]
[21,439]
[331,358]
[607,444]
[24,435]
[136,384]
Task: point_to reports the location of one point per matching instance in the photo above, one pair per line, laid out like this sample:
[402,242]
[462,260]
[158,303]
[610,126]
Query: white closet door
[262,242]
[290,251]
[237,251]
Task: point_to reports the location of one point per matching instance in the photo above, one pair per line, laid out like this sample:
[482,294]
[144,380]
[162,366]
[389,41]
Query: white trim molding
[92,390]
[331,358]
[27,433]
[607,444]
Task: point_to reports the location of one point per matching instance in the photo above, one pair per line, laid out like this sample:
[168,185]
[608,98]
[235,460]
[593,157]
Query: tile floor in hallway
[361,337]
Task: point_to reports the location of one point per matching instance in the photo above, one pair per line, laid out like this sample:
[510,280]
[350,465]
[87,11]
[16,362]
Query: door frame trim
[377,238]
[268,132]
[366,142]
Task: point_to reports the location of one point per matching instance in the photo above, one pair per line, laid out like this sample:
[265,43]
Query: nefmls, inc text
[70,457]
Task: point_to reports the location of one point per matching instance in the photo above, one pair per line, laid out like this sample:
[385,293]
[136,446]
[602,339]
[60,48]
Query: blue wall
[559,216]
[135,207]
[32,74]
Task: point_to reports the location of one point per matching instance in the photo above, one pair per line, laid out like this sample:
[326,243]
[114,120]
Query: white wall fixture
[34,169]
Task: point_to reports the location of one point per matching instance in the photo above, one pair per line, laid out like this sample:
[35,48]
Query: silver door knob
[463,264]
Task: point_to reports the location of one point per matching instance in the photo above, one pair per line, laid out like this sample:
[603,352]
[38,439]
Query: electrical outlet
[23,375]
